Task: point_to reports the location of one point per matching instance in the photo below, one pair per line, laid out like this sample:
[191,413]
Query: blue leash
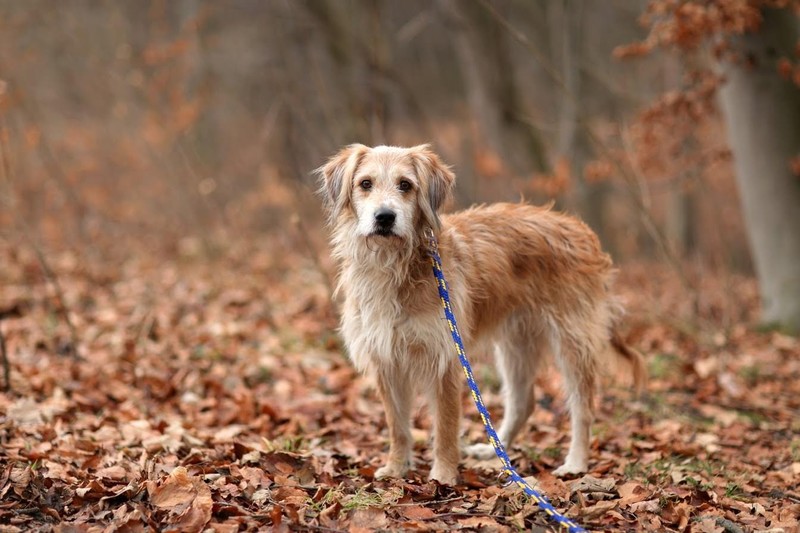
[499,449]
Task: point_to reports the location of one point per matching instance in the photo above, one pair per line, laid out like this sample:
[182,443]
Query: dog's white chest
[379,331]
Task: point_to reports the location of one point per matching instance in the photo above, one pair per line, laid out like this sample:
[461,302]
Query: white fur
[374,327]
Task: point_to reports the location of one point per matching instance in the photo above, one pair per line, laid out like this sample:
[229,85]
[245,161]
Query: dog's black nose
[385,218]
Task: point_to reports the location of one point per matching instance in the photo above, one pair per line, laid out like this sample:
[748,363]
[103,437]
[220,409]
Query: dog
[524,280]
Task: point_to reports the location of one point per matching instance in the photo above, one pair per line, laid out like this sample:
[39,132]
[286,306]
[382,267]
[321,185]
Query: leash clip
[433,245]
[505,478]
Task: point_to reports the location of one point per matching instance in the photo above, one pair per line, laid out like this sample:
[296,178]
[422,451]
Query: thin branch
[62,307]
[145,327]
[48,272]
[336,34]
[636,184]
[211,201]
[311,249]
[523,39]
[429,503]
[28,110]
[7,176]
[631,177]
[6,366]
[439,516]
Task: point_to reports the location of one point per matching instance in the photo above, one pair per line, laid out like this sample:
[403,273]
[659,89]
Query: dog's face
[390,194]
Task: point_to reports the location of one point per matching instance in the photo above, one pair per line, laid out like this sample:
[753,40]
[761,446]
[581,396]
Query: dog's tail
[633,357]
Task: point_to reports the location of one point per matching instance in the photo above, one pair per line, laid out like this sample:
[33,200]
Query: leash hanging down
[499,449]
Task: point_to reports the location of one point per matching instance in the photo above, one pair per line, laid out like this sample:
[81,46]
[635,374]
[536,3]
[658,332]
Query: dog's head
[387,192]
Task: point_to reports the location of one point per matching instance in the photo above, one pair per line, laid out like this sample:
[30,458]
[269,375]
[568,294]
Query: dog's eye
[404,185]
[365,184]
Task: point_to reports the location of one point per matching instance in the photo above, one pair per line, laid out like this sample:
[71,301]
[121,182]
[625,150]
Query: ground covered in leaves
[204,388]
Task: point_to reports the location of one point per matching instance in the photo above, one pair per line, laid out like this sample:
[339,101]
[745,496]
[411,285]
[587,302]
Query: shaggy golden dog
[523,280]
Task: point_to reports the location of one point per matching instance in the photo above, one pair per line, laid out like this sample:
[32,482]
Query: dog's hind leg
[575,351]
[396,392]
[517,367]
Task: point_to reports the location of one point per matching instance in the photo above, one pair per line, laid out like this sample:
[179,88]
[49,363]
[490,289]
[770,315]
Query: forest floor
[206,389]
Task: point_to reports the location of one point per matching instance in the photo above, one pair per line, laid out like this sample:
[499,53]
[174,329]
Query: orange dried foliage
[598,171]
[489,164]
[158,54]
[554,184]
[686,25]
[32,136]
[785,68]
[677,143]
[789,70]
[794,164]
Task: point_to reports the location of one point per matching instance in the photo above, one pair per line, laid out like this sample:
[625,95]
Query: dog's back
[518,257]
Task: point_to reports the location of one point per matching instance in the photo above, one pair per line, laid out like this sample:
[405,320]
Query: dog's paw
[444,475]
[480,451]
[570,469]
[390,471]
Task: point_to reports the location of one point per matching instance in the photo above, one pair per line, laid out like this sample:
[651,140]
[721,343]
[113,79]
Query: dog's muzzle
[384,221]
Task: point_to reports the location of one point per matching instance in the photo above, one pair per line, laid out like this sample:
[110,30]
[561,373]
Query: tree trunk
[567,22]
[504,143]
[763,122]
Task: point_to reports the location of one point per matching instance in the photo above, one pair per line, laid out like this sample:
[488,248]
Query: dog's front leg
[396,393]
[447,417]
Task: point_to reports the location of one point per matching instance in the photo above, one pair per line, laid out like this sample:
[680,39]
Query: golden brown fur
[524,280]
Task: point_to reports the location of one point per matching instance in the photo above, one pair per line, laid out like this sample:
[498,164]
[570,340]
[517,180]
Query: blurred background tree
[173,124]
[756,47]
[763,117]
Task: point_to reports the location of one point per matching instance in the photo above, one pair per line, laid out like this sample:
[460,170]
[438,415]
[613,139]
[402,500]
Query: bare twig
[636,184]
[145,327]
[6,366]
[439,516]
[211,201]
[30,112]
[313,253]
[360,47]
[48,272]
[5,162]
[429,503]
[632,178]
[728,282]
[62,307]
[301,192]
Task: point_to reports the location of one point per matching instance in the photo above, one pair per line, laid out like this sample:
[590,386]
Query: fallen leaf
[708,441]
[479,523]
[598,509]
[647,506]
[25,411]
[177,490]
[290,495]
[417,512]
[370,518]
[706,367]
[116,473]
[590,483]
[632,492]
[186,497]
[730,384]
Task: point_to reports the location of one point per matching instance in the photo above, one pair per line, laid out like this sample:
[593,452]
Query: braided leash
[499,449]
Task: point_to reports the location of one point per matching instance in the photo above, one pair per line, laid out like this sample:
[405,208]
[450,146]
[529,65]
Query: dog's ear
[336,177]
[436,182]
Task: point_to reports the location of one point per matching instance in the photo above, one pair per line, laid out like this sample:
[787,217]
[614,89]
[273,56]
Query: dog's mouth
[384,232]
[383,235]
